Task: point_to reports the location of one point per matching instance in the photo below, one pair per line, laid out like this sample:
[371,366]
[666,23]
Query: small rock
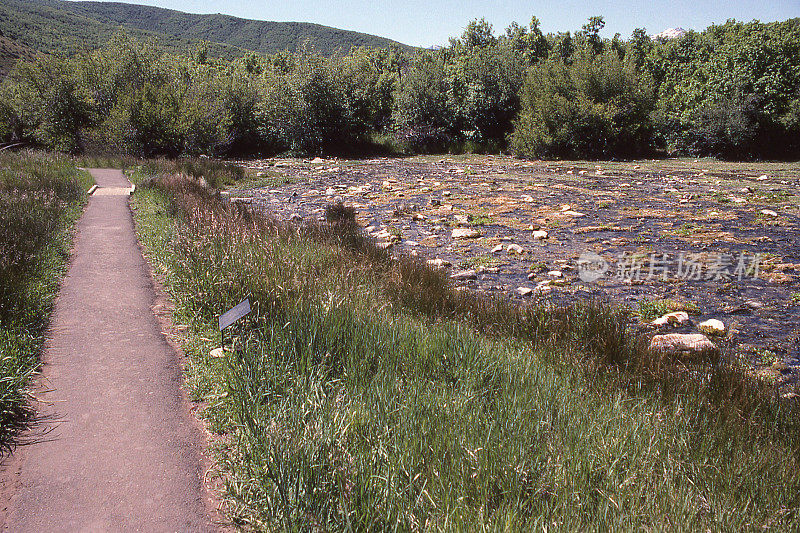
[514,249]
[218,352]
[555,274]
[527,198]
[317,161]
[524,291]
[465,233]
[464,274]
[676,344]
[675,319]
[712,327]
[461,219]
[539,235]
[330,191]
[439,263]
[498,248]
[769,212]
[763,177]
[572,213]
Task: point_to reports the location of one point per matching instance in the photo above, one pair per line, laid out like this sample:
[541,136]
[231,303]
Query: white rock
[527,198]
[572,213]
[218,352]
[769,212]
[514,249]
[465,233]
[675,319]
[498,248]
[763,177]
[461,219]
[439,263]
[691,344]
[465,274]
[524,291]
[712,327]
[556,274]
[539,235]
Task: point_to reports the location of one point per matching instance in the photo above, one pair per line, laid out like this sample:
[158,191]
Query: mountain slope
[55,26]
[10,53]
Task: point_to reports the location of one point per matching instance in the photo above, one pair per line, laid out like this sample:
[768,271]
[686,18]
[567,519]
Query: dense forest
[731,91]
[67,27]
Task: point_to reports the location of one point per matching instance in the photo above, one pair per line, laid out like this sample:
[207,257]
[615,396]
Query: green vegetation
[10,53]
[40,198]
[60,27]
[366,393]
[536,95]
[652,309]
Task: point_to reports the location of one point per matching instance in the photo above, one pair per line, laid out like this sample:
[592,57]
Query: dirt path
[117,449]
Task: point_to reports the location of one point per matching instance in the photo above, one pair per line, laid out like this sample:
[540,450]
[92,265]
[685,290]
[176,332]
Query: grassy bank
[41,196]
[365,393]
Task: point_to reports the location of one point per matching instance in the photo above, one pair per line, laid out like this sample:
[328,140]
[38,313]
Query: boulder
[712,327]
[678,318]
[465,233]
[514,249]
[692,345]
[539,235]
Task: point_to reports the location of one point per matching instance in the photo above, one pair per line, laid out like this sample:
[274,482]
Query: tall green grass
[364,393]
[41,196]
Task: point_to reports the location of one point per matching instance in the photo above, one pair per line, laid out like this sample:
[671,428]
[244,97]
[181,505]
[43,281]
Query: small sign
[234,314]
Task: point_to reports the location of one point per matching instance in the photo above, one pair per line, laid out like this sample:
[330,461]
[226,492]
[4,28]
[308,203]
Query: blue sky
[429,22]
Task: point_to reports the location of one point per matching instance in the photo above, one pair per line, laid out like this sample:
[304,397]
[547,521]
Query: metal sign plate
[234,314]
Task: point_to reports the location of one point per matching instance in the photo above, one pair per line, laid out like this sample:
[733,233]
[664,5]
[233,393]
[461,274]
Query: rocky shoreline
[715,241]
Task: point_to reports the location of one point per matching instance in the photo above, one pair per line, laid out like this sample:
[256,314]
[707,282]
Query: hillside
[10,53]
[57,26]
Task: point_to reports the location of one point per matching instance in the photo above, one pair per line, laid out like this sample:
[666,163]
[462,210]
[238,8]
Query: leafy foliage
[731,91]
[591,108]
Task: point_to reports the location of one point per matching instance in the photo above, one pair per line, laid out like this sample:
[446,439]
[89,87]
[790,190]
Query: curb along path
[117,449]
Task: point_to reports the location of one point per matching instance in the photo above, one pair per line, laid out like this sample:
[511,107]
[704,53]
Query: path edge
[162,308]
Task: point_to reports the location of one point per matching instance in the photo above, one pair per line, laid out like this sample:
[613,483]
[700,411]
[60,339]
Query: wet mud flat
[717,240]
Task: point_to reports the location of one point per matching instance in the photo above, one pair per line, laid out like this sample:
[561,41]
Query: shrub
[597,106]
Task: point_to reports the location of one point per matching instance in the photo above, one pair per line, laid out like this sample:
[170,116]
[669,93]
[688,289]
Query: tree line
[732,90]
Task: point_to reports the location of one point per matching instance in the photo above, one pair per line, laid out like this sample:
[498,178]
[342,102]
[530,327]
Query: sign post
[231,316]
